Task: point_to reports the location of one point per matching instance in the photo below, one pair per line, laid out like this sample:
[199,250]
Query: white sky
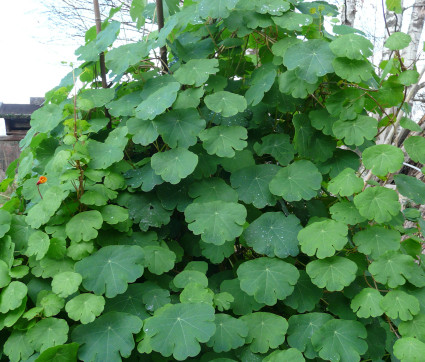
[30,61]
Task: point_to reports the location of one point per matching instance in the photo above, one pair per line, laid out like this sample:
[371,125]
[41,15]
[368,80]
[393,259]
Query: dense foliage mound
[216,212]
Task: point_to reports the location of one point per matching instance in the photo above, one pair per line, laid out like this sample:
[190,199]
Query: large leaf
[300,180]
[194,321]
[84,226]
[293,21]
[265,331]
[353,70]
[409,349]
[230,333]
[12,296]
[340,340]
[415,147]
[218,9]
[61,353]
[262,80]
[223,141]
[119,59]
[85,307]
[48,333]
[99,340]
[399,304]
[382,159]
[217,221]
[356,131]
[323,238]
[45,119]
[226,103]
[333,273]
[377,240]
[352,46]
[398,41]
[212,189]
[274,234]
[252,184]
[196,71]
[411,187]
[242,303]
[312,59]
[109,270]
[174,165]
[277,145]
[366,303]
[377,203]
[346,183]
[267,279]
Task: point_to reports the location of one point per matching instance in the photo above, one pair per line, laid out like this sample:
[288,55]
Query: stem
[98,30]
[162,50]
[38,188]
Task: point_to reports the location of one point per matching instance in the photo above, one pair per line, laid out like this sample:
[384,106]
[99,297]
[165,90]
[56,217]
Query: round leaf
[85,307]
[230,333]
[377,240]
[226,103]
[66,283]
[346,183]
[223,141]
[415,147]
[399,304]
[409,349]
[382,159]
[48,333]
[277,145]
[366,303]
[84,226]
[398,41]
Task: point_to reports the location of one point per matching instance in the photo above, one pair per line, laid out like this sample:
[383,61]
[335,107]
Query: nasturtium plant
[232,201]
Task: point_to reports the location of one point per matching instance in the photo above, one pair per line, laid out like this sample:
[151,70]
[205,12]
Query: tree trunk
[98,30]
[349,12]
[162,50]
[416,26]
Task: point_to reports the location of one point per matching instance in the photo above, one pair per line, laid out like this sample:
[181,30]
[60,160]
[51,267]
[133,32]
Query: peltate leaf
[382,159]
[356,131]
[212,189]
[293,21]
[196,71]
[48,333]
[262,80]
[352,70]
[276,145]
[352,46]
[223,141]
[85,307]
[242,303]
[409,349]
[366,303]
[398,41]
[377,240]
[399,304]
[66,283]
[218,9]
[120,59]
[226,103]
[230,333]
[84,226]
[61,353]
[346,183]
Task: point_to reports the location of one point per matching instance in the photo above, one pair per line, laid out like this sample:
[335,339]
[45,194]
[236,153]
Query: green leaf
[267,279]
[322,121]
[393,268]
[222,301]
[398,41]
[415,147]
[217,221]
[218,9]
[305,296]
[85,307]
[94,98]
[377,203]
[61,353]
[290,354]
[271,334]
[179,128]
[189,98]
[12,296]
[196,71]
[144,131]
[276,145]
[48,333]
[50,303]
[293,21]
[407,123]
[366,303]
[262,80]
[113,214]
[157,101]
[243,303]
[312,59]
[383,159]
[411,187]
[165,329]
[301,329]
[98,340]
[136,298]
[399,304]
[355,132]
[196,293]
[352,70]
[223,141]
[414,327]
[17,346]
[110,269]
[300,180]
[144,177]
[252,184]
[394,5]
[377,240]
[340,160]
[274,234]
[346,183]
[38,245]
[333,273]
[323,238]
[120,59]
[290,83]
[105,154]
[186,277]
[226,103]
[212,189]
[340,340]
[5,220]
[159,259]
[409,349]
[174,165]
[46,118]
[84,226]
[352,46]
[66,283]
[230,333]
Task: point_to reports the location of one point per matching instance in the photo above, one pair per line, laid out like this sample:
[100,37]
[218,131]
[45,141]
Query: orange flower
[41,180]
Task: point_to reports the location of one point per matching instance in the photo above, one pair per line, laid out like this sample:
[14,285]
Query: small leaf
[48,333]
[38,245]
[144,131]
[323,238]
[377,240]
[85,307]
[277,145]
[346,183]
[340,340]
[267,279]
[110,269]
[333,273]
[414,327]
[300,180]
[217,221]
[113,214]
[17,346]
[165,329]
[98,340]
[174,165]
[274,234]
[270,335]
[230,333]
[12,296]
[226,103]
[84,226]
[399,304]
[356,131]
[186,277]
[196,71]
[415,147]
[223,141]
[377,203]
[398,41]
[66,283]
[159,259]
[366,303]
[382,159]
